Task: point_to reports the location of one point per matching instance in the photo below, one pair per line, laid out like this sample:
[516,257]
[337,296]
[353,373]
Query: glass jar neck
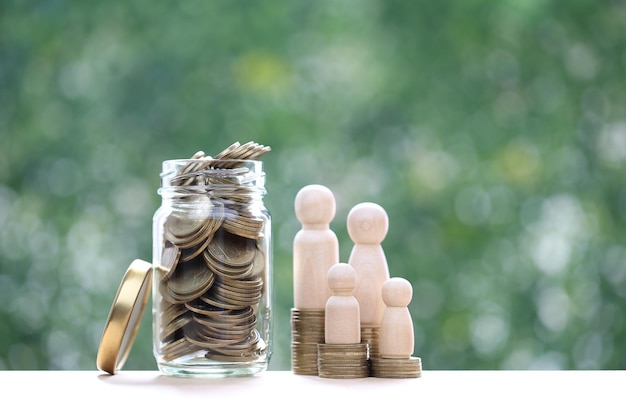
[227,182]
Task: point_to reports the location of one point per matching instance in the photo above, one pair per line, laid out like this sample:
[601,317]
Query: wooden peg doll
[368,224]
[396,338]
[315,247]
[343,322]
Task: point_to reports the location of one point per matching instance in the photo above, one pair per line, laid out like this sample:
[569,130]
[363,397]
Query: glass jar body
[212,270]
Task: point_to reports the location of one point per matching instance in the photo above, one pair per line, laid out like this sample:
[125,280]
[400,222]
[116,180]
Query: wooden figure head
[367,223]
[315,204]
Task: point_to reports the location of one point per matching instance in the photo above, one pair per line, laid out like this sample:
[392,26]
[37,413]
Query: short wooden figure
[343,322]
[315,247]
[396,338]
[368,224]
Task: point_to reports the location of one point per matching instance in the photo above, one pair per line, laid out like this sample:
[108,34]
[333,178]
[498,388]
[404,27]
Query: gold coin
[258,263]
[232,250]
[182,224]
[244,314]
[225,154]
[218,325]
[251,294]
[190,253]
[243,230]
[174,325]
[190,279]
[195,171]
[170,312]
[244,300]
[166,295]
[231,358]
[222,334]
[181,178]
[200,307]
[343,374]
[396,367]
[212,301]
[202,234]
[176,349]
[241,286]
[253,283]
[300,312]
[247,344]
[169,259]
[226,271]
[207,343]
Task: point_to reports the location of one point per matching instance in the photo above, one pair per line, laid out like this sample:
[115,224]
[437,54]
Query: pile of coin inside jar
[212,272]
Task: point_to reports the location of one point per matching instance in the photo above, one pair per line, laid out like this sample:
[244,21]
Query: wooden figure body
[342,321]
[368,224]
[396,338]
[315,247]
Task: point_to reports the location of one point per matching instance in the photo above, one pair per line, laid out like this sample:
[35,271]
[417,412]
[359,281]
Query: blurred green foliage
[492,132]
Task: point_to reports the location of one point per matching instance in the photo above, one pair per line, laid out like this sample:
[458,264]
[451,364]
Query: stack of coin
[212,271]
[307,331]
[396,367]
[219,169]
[369,336]
[343,360]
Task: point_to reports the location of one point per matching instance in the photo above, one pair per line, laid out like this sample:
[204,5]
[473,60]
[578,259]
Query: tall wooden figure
[315,247]
[368,224]
[315,250]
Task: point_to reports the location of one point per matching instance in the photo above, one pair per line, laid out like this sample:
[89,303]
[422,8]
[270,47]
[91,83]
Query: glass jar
[212,269]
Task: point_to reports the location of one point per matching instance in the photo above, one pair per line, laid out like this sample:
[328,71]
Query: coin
[226,271]
[190,280]
[343,360]
[175,325]
[211,300]
[249,295]
[232,250]
[248,228]
[198,306]
[169,258]
[170,312]
[237,291]
[249,150]
[307,331]
[187,232]
[181,179]
[221,323]
[190,253]
[176,349]
[181,229]
[231,358]
[370,335]
[225,154]
[166,295]
[396,367]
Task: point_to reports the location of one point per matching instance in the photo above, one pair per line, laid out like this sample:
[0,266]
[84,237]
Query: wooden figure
[396,338]
[342,322]
[315,247]
[368,224]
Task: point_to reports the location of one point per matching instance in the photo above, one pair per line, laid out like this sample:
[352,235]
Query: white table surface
[281,393]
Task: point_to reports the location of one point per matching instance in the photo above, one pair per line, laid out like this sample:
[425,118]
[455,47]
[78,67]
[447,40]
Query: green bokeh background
[492,132]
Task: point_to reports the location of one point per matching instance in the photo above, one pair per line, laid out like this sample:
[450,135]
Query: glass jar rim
[187,160]
[180,174]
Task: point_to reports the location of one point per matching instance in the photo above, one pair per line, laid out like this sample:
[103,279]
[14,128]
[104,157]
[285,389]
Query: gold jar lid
[125,316]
